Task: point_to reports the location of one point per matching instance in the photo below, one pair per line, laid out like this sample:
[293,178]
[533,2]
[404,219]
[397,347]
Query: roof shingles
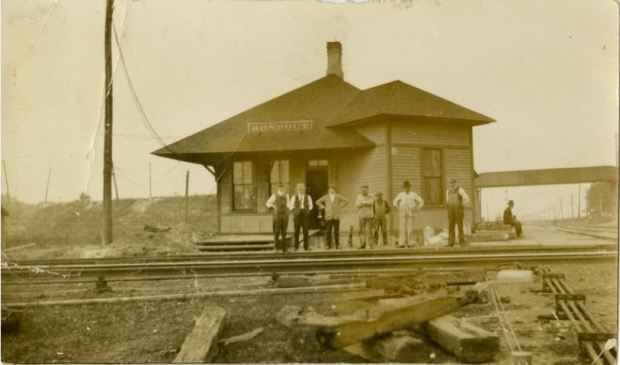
[327,102]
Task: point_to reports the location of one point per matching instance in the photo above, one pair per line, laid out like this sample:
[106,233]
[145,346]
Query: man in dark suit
[511,219]
[301,205]
[332,203]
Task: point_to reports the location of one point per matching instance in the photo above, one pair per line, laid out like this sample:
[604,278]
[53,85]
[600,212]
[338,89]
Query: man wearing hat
[511,219]
[279,201]
[408,204]
[301,206]
[332,203]
[364,203]
[381,209]
[456,199]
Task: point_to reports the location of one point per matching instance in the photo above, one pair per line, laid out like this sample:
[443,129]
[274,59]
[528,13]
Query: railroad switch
[590,338]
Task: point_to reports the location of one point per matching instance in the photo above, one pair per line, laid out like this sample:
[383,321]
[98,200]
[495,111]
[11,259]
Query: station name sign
[284,126]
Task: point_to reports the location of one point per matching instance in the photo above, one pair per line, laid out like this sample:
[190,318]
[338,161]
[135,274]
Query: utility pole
[47,186]
[186,194]
[115,185]
[6,181]
[150,183]
[578,201]
[571,207]
[107,143]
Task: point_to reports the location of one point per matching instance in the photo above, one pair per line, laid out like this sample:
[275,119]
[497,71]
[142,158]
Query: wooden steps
[236,247]
[491,232]
[250,242]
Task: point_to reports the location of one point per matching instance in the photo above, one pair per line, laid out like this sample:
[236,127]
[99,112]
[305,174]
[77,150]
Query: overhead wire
[136,98]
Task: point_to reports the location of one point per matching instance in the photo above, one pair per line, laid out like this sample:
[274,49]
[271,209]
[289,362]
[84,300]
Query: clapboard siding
[248,223]
[405,166]
[356,169]
[373,131]
[429,133]
[459,167]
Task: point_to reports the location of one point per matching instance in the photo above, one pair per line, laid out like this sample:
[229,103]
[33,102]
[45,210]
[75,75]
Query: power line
[134,94]
[39,36]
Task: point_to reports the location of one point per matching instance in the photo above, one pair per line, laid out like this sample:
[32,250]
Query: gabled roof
[316,101]
[399,98]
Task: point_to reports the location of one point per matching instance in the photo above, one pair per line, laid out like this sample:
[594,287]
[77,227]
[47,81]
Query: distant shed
[329,132]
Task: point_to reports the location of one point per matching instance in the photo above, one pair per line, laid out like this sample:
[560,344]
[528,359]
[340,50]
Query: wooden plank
[467,342]
[201,344]
[387,316]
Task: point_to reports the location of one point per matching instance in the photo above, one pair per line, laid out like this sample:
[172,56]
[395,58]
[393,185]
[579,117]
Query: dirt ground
[152,332]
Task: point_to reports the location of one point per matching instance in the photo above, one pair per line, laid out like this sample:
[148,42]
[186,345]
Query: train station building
[329,132]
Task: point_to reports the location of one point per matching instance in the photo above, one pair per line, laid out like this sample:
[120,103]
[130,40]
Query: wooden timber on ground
[397,347]
[385,316]
[466,341]
[201,344]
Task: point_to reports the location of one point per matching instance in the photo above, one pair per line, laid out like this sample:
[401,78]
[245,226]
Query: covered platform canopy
[571,175]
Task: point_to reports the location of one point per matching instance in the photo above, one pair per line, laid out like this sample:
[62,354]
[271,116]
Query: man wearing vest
[279,203]
[364,203]
[381,209]
[332,203]
[408,204]
[301,205]
[456,199]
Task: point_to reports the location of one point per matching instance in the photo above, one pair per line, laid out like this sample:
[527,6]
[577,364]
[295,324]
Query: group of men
[372,211]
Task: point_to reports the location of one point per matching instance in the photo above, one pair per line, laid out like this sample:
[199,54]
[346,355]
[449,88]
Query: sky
[546,71]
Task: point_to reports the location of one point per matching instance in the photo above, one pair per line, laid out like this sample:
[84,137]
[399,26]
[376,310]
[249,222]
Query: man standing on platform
[332,203]
[364,203]
[381,209]
[408,204]
[279,202]
[301,205]
[456,199]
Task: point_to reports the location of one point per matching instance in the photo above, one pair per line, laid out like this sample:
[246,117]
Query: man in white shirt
[408,204]
[279,202]
[456,199]
[301,206]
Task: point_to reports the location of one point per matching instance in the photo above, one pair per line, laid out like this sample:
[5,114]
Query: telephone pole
[115,185]
[578,201]
[107,142]
[6,181]
[47,186]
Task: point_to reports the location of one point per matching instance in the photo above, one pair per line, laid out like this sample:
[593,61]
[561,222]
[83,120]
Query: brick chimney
[334,59]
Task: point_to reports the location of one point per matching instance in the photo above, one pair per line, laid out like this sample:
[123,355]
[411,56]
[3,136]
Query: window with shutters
[243,186]
[432,176]
[279,175]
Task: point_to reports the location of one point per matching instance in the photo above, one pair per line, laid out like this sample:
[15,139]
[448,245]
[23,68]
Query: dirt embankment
[73,229]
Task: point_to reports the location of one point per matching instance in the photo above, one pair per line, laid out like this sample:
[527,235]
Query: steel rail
[589,348]
[311,265]
[559,286]
[321,254]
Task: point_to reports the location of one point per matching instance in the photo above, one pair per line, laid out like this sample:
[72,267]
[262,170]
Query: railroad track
[380,251]
[311,262]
